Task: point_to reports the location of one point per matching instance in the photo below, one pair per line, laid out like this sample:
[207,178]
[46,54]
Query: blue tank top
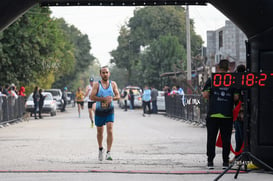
[100,105]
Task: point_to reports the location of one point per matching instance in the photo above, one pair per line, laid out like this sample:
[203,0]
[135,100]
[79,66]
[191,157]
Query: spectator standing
[22,91]
[14,88]
[36,98]
[125,99]
[166,90]
[154,94]
[219,116]
[1,91]
[181,93]
[146,99]
[41,103]
[173,91]
[5,90]
[132,99]
[13,94]
[64,98]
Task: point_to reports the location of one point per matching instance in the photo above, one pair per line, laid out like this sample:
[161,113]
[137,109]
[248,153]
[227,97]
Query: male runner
[104,93]
[91,103]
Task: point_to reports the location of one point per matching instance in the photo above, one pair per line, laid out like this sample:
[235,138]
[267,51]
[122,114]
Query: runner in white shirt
[91,103]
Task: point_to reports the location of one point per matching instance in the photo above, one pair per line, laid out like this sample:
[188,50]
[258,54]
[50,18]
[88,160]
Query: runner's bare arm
[116,92]
[86,91]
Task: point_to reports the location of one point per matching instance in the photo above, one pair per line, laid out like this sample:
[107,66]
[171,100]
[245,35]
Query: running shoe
[210,165]
[225,165]
[101,154]
[108,156]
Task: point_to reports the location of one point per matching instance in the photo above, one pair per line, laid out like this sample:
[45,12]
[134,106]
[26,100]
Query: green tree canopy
[161,56]
[161,31]
[40,50]
[32,48]
[82,56]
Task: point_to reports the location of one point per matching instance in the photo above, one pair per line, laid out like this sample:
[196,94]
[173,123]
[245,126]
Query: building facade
[226,42]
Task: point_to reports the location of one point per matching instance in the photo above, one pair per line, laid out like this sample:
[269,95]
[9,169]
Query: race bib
[104,105]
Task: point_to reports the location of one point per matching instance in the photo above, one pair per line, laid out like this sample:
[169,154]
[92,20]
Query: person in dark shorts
[80,100]
[104,92]
[219,116]
[91,103]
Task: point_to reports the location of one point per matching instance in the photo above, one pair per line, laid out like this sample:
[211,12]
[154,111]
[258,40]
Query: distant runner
[79,100]
[91,103]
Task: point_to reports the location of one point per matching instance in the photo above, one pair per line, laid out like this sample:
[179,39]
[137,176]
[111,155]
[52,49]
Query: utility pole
[189,91]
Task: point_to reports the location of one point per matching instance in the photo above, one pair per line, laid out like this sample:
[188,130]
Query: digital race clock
[242,80]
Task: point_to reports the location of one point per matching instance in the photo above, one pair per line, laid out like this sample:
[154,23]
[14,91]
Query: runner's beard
[105,78]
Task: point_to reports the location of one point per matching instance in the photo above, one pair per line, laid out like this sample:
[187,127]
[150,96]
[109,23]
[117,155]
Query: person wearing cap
[91,103]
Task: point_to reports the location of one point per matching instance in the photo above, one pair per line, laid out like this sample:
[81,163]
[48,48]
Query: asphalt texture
[154,147]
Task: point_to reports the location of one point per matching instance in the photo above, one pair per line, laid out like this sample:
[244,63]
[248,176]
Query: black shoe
[225,165]
[210,165]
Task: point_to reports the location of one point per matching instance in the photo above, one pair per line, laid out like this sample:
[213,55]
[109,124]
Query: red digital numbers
[242,80]
[222,80]
[217,80]
[227,80]
[250,79]
[262,80]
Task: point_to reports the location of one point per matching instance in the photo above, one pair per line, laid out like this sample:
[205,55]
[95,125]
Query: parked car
[161,101]
[137,94]
[49,106]
[57,95]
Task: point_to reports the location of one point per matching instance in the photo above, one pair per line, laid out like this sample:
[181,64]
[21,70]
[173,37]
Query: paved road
[64,147]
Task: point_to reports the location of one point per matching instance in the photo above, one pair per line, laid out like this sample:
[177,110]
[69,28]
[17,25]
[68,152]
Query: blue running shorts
[102,120]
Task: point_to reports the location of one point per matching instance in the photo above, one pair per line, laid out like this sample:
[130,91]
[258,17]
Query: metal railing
[188,107]
[11,109]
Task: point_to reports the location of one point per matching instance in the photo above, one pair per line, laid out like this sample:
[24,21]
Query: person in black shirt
[132,99]
[41,102]
[219,116]
[36,98]
[64,98]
